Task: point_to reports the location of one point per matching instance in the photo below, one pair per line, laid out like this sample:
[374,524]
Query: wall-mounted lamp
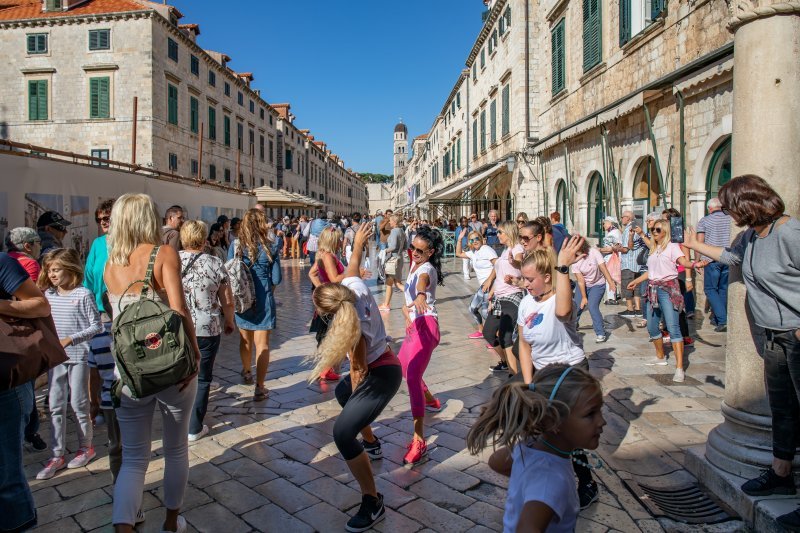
[511,162]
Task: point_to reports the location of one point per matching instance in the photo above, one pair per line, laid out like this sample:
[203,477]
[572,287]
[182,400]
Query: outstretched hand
[689,237]
[365,231]
[571,251]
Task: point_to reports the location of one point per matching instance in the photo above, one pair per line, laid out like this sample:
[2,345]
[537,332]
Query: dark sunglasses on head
[102,219]
[414,249]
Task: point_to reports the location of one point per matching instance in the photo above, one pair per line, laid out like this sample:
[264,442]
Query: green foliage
[369,177]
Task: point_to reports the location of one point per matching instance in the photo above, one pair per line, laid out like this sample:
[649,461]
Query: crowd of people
[534,281]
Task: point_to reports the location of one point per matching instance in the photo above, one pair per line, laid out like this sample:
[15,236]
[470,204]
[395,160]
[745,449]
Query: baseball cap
[54,219]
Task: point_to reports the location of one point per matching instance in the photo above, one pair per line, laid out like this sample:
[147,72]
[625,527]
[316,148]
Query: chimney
[246,77]
[191,30]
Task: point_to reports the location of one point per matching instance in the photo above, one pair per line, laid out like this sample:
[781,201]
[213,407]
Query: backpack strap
[189,265]
[148,274]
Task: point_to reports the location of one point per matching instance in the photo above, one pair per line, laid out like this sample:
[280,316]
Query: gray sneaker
[655,361]
[679,376]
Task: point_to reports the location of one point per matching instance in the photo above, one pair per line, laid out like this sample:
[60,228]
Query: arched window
[719,170]
[646,189]
[561,202]
[596,210]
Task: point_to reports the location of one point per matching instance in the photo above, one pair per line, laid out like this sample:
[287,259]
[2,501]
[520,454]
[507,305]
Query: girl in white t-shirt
[664,298]
[356,331]
[422,331]
[482,257]
[542,429]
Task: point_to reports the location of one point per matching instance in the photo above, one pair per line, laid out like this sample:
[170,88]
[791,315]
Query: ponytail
[338,303]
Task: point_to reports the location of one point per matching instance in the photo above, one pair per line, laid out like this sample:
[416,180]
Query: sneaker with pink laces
[417,449]
[475,335]
[434,406]
[53,465]
[82,458]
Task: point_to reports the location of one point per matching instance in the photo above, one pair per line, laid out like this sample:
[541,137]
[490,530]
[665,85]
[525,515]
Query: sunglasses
[416,250]
[524,238]
[474,240]
[657,230]
[500,232]
[520,221]
[106,219]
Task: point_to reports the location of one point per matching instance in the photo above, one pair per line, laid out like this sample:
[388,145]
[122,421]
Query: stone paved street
[272,466]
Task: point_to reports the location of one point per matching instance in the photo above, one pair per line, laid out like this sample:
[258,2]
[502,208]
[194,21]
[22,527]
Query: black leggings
[499,330]
[362,406]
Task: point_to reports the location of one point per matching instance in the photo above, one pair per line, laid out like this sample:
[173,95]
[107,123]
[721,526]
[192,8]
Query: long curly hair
[337,302]
[255,231]
[518,414]
[433,237]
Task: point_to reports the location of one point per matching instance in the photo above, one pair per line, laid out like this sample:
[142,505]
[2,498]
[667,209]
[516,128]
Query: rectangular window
[173,162]
[37,43]
[483,130]
[172,49]
[458,153]
[100,153]
[261,113]
[252,107]
[194,114]
[194,65]
[212,78]
[212,124]
[271,152]
[458,100]
[491,44]
[172,104]
[240,99]
[212,172]
[483,58]
[446,164]
[37,100]
[636,15]
[226,126]
[227,174]
[558,62]
[493,122]
[501,26]
[240,136]
[251,146]
[505,126]
[288,160]
[195,168]
[507,16]
[261,147]
[227,89]
[592,39]
[99,39]
[475,71]
[99,97]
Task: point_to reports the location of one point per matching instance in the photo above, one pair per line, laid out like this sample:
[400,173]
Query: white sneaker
[82,458]
[139,517]
[181,526]
[53,465]
[655,361]
[601,338]
[197,436]
[679,376]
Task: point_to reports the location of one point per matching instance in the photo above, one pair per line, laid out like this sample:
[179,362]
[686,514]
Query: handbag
[29,347]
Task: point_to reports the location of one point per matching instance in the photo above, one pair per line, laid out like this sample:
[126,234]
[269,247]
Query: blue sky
[350,69]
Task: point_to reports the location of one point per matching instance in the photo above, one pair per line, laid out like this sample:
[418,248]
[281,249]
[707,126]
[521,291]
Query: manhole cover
[687,503]
[666,380]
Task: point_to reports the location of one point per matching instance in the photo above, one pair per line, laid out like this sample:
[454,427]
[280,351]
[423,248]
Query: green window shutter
[483,130]
[37,100]
[508,17]
[99,96]
[506,126]
[99,39]
[193,114]
[458,154]
[558,60]
[624,21]
[592,42]
[474,138]
[227,130]
[172,104]
[493,122]
[212,124]
[31,44]
[656,7]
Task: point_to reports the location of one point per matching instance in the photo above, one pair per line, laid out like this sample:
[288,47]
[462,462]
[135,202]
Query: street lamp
[511,162]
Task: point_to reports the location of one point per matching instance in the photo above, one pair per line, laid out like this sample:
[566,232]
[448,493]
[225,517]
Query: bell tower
[400,149]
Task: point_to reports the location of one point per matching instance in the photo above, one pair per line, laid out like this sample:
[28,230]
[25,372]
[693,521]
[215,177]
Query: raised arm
[365,231]
[459,250]
[29,303]
[569,255]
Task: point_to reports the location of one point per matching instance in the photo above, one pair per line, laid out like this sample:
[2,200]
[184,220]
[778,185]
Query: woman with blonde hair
[356,331]
[135,242]
[504,299]
[664,297]
[259,249]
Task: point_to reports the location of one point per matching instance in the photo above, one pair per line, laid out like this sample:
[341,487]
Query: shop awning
[277,198]
[456,189]
[310,202]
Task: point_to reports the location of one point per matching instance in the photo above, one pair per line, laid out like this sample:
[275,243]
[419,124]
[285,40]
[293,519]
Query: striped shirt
[75,315]
[717,230]
[101,358]
[628,260]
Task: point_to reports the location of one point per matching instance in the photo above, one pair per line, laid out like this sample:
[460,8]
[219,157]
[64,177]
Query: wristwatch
[564,269]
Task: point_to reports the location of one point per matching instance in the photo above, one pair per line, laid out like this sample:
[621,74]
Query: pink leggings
[415,354]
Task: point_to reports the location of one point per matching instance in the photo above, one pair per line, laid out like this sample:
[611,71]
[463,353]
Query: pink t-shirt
[590,269]
[661,265]
[502,268]
[30,265]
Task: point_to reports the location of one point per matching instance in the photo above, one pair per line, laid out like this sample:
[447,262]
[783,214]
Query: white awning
[277,198]
[457,188]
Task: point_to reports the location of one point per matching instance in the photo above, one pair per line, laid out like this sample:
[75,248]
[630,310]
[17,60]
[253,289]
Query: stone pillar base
[758,512]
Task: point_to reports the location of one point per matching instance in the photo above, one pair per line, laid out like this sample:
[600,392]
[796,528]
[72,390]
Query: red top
[323,276]
[30,265]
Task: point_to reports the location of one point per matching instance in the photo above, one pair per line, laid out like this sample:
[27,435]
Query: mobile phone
[676,229]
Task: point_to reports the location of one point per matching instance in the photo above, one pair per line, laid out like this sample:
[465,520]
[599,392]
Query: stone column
[766,138]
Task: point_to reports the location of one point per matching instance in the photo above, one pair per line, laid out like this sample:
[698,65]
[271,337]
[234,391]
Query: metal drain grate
[688,503]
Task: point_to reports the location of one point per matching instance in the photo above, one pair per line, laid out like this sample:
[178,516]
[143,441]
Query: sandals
[260,394]
[247,377]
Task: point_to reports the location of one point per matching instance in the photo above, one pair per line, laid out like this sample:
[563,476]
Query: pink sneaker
[82,458]
[434,406]
[417,449]
[475,335]
[53,465]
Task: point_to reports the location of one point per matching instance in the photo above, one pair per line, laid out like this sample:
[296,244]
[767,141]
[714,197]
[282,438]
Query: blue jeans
[16,501]
[665,312]
[595,296]
[715,285]
[479,306]
[208,352]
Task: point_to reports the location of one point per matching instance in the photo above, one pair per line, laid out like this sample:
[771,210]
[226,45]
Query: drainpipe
[570,195]
[606,176]
[661,184]
[682,152]
[527,73]
[466,128]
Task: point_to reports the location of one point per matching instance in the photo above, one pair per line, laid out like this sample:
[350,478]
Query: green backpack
[151,348]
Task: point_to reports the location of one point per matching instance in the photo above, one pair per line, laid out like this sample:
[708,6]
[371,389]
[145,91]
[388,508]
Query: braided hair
[433,237]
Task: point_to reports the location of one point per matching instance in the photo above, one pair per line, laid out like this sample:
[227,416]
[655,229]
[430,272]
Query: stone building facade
[74,73]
